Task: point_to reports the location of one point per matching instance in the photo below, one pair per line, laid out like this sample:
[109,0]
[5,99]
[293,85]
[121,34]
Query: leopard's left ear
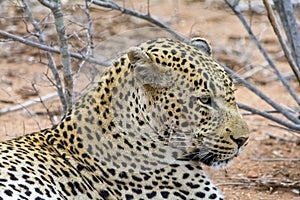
[147,71]
[202,44]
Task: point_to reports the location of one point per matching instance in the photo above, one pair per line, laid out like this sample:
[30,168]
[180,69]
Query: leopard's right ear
[136,54]
[147,71]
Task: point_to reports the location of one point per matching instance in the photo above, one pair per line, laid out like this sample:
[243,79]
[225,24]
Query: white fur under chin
[222,164]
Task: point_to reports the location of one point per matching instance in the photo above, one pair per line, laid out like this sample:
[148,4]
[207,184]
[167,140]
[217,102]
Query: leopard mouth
[208,158]
[214,162]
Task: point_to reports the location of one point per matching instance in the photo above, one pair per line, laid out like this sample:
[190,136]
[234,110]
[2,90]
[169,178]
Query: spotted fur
[141,133]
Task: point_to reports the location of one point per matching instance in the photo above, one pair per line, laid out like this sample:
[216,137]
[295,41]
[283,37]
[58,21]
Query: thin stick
[277,159]
[262,181]
[51,62]
[283,138]
[263,52]
[48,48]
[55,7]
[265,98]
[283,44]
[292,126]
[89,49]
[147,16]
[28,103]
[287,15]
[43,103]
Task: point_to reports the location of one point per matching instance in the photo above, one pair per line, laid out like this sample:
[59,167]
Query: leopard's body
[140,133]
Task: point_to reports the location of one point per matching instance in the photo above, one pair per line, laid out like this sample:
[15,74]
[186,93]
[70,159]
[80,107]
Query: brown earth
[268,169]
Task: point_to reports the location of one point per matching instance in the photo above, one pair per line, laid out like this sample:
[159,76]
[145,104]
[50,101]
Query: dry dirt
[268,169]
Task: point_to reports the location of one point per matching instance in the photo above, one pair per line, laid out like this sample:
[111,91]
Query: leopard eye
[205,100]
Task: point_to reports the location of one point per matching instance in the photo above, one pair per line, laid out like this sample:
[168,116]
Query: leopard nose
[239,141]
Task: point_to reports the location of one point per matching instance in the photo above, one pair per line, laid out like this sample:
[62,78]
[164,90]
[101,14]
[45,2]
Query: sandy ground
[269,167]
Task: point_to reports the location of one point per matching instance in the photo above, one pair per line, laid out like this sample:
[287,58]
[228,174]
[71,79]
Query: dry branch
[26,104]
[277,159]
[48,48]
[264,182]
[290,25]
[284,46]
[55,7]
[295,122]
[51,63]
[233,7]
[147,16]
[264,114]
[89,52]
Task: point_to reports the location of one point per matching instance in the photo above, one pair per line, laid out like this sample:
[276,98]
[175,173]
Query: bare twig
[46,108]
[48,48]
[90,42]
[283,44]
[89,49]
[264,53]
[262,182]
[287,16]
[277,159]
[294,132]
[27,103]
[265,98]
[51,63]
[295,125]
[55,8]
[283,138]
[147,16]
[292,126]
[278,183]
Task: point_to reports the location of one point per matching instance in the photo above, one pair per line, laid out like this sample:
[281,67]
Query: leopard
[145,130]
